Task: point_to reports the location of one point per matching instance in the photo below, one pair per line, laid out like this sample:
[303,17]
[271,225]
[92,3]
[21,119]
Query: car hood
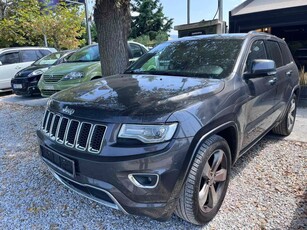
[135,95]
[66,68]
[26,71]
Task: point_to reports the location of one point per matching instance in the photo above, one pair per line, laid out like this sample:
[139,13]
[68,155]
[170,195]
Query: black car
[25,81]
[162,137]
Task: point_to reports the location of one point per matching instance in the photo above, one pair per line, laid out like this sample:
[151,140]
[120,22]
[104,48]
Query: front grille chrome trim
[82,139]
[79,147]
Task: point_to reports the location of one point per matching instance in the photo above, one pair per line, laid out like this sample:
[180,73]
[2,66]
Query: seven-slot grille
[83,136]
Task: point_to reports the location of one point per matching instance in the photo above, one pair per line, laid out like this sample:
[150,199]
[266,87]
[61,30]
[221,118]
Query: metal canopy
[254,6]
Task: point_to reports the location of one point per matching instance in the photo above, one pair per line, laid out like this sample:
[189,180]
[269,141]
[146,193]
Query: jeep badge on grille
[68,110]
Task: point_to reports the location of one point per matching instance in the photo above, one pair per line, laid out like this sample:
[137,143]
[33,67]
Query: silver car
[13,60]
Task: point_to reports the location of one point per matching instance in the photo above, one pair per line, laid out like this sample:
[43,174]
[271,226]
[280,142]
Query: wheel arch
[228,130]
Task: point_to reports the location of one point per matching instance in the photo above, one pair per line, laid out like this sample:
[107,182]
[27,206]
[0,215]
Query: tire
[285,127]
[196,203]
[95,78]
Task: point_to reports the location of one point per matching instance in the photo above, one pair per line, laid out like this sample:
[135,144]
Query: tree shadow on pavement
[299,220]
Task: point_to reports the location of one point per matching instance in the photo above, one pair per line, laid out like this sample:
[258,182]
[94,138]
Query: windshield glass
[86,54]
[206,58]
[49,59]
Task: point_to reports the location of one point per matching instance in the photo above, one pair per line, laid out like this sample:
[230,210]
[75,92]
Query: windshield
[206,58]
[86,54]
[49,59]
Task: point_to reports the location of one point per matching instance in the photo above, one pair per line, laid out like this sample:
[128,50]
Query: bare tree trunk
[113,21]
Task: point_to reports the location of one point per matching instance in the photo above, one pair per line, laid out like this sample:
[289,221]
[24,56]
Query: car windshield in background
[87,54]
[206,58]
[49,59]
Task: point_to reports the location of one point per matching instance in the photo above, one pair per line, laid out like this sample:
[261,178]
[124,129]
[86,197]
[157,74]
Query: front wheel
[287,124]
[207,182]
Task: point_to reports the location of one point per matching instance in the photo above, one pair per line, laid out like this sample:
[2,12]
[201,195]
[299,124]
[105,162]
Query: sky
[199,10]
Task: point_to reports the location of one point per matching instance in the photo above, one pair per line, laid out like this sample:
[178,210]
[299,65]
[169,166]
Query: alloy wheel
[213,180]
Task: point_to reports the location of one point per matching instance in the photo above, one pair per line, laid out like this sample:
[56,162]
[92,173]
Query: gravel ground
[267,188]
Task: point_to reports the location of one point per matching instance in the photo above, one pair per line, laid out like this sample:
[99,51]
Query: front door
[259,108]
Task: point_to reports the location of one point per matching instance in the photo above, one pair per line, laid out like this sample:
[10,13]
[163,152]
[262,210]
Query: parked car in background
[163,136]
[13,60]
[82,66]
[25,81]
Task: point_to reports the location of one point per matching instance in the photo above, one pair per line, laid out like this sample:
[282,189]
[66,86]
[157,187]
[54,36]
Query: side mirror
[0,62]
[261,68]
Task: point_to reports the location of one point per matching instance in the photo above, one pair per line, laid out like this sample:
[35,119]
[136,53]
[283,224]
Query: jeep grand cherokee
[161,138]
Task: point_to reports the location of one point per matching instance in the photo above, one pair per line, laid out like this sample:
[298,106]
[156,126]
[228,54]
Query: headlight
[37,72]
[148,133]
[73,76]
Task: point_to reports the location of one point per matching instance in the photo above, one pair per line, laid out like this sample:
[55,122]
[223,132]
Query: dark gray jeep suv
[161,138]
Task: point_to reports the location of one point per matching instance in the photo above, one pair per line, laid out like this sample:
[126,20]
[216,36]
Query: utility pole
[188,11]
[220,7]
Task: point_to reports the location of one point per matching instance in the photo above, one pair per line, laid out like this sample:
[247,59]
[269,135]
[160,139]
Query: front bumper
[48,89]
[28,85]
[106,180]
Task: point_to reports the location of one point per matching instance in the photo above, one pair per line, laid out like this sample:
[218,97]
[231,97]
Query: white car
[13,60]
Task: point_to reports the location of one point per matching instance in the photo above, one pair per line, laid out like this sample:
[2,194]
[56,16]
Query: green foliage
[150,22]
[93,32]
[144,39]
[26,22]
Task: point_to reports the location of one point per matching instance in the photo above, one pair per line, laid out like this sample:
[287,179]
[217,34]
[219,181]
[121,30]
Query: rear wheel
[207,182]
[287,124]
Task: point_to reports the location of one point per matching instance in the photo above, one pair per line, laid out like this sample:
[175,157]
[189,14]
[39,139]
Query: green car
[82,66]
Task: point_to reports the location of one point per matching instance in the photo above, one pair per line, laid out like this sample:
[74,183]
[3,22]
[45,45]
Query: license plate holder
[58,161]
[17,86]
[49,87]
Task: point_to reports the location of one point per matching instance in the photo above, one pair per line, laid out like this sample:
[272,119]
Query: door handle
[273,81]
[289,73]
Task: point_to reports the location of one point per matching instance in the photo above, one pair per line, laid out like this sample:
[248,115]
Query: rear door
[285,75]
[10,66]
[28,57]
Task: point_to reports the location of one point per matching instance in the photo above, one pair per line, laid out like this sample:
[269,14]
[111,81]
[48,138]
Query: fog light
[144,180]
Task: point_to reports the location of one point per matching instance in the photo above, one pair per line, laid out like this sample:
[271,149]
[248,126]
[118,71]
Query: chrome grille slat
[51,127]
[49,122]
[83,136]
[54,126]
[62,130]
[96,139]
[72,133]
[45,119]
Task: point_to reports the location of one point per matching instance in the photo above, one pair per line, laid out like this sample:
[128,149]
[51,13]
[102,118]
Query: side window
[9,58]
[274,52]
[286,54]
[39,54]
[28,55]
[44,52]
[257,51]
[136,50]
